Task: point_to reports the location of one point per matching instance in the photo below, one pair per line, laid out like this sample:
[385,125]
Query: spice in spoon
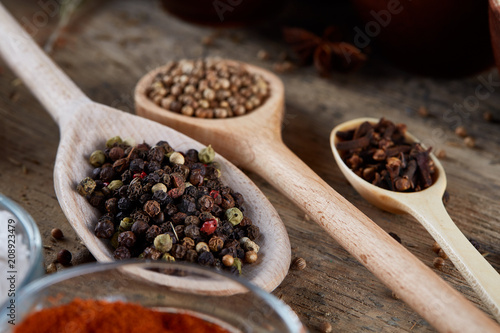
[208,88]
[161,204]
[381,154]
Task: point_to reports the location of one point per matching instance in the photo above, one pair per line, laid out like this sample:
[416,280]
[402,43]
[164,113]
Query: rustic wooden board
[107,50]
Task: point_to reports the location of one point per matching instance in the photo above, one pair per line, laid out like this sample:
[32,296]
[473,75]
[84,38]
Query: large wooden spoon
[427,207]
[254,142]
[86,125]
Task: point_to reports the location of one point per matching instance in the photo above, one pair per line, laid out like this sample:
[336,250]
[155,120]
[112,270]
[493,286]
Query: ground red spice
[93,316]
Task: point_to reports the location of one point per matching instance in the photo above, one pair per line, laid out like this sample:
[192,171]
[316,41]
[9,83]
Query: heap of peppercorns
[209,88]
[161,204]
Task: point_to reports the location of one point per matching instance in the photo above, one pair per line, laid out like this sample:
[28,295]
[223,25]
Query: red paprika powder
[93,316]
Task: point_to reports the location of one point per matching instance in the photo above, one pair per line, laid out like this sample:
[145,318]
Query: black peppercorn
[179,217]
[124,204]
[178,251]
[97,199]
[192,219]
[156,154]
[122,253]
[127,239]
[192,231]
[205,203]
[151,253]
[64,257]
[206,258]
[96,173]
[162,198]
[191,155]
[191,255]
[152,208]
[136,165]
[116,153]
[196,178]
[152,232]
[111,205]
[107,174]
[253,232]
[139,228]
[104,229]
[227,201]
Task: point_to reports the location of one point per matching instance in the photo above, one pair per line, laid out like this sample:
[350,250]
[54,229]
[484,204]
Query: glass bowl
[21,259]
[131,281]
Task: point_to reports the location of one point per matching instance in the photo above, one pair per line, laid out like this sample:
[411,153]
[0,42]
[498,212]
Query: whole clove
[381,154]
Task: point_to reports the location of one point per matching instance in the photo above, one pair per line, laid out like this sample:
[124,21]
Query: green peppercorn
[86,186]
[97,158]
[111,142]
[126,224]
[159,187]
[237,263]
[206,155]
[176,158]
[114,240]
[234,216]
[167,257]
[115,185]
[163,243]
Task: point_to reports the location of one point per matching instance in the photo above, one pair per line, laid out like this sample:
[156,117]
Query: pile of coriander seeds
[161,204]
[208,88]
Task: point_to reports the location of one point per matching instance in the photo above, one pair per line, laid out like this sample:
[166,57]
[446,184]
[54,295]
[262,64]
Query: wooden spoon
[427,207]
[86,125]
[254,142]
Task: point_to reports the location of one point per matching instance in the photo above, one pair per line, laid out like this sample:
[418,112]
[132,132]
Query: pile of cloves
[381,154]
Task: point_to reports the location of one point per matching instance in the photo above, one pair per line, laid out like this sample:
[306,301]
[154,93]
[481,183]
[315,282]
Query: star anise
[327,53]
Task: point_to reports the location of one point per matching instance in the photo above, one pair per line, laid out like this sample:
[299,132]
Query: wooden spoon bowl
[86,125]
[253,141]
[427,207]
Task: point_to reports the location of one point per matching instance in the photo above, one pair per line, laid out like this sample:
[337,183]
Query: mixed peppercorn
[208,88]
[380,154]
[161,204]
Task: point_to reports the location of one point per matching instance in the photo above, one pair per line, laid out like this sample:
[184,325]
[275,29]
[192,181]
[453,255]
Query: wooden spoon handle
[58,94]
[430,296]
[476,270]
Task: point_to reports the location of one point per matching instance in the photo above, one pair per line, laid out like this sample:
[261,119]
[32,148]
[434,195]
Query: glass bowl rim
[288,316]
[33,235]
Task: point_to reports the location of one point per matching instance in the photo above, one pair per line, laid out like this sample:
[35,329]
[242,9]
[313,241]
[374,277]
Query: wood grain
[86,125]
[122,40]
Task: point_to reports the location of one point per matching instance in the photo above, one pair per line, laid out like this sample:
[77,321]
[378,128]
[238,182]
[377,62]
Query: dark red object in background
[446,37]
[495,29]
[223,12]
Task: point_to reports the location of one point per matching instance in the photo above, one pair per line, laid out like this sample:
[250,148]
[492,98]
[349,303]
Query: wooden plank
[106,51]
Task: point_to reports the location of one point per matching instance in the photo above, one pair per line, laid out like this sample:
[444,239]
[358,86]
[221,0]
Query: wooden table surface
[107,49]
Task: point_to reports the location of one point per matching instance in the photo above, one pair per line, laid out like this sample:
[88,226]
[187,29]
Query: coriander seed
[57,233]
[438,262]
[298,264]
[228,260]
[251,257]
